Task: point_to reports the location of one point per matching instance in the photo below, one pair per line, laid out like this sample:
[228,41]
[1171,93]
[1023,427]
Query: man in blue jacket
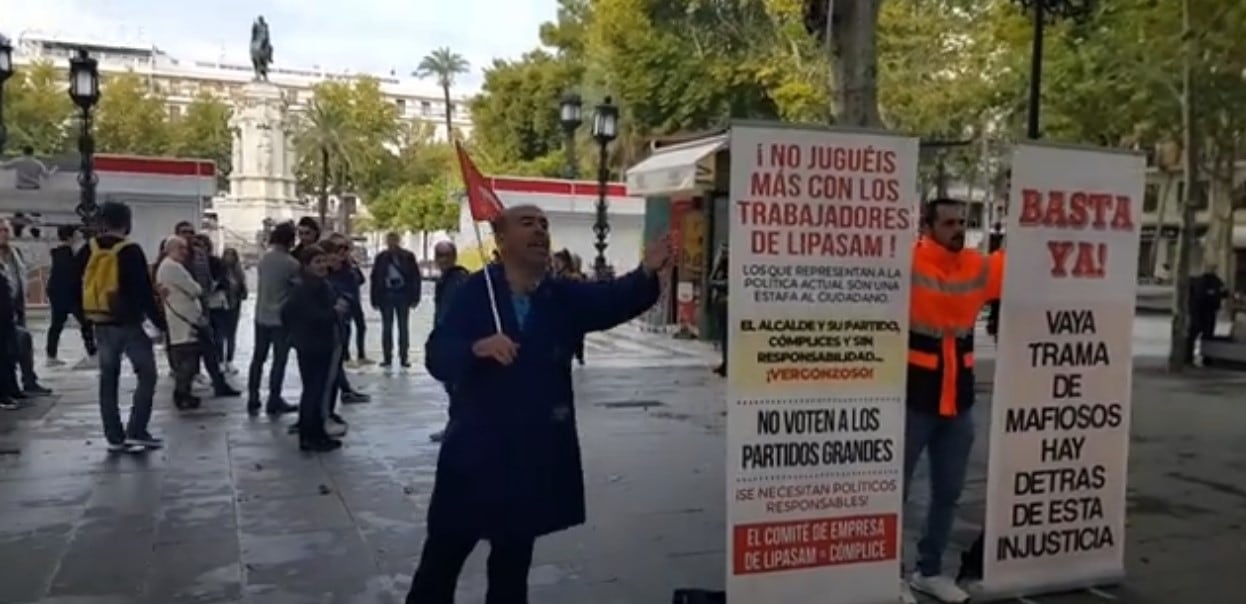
[509,469]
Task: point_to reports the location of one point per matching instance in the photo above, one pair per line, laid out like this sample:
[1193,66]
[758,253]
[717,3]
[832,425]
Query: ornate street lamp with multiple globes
[570,114]
[605,130]
[6,71]
[84,89]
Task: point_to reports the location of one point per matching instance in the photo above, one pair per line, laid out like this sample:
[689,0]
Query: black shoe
[253,406]
[187,402]
[406,364]
[278,407]
[8,404]
[146,441]
[437,436]
[319,445]
[721,370]
[37,389]
[354,398]
[387,363]
[226,391]
[19,396]
[337,419]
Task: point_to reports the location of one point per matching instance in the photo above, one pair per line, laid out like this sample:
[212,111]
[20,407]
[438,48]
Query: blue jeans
[115,341]
[949,440]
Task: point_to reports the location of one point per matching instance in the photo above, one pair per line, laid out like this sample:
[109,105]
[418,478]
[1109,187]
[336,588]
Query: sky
[372,36]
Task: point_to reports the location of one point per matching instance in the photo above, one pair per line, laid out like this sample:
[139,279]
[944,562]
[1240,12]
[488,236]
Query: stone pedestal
[262,183]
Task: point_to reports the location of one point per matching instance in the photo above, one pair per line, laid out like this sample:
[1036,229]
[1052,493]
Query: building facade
[180,80]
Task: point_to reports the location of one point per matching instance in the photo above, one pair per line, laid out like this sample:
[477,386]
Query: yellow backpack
[101,281]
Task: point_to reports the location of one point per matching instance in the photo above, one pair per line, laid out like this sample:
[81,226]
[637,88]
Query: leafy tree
[131,117]
[203,131]
[443,64]
[37,109]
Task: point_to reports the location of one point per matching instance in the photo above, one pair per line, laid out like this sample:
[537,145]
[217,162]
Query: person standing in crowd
[450,277]
[353,290]
[117,297]
[64,289]
[14,268]
[718,297]
[29,170]
[277,273]
[209,273]
[345,283]
[509,468]
[313,314]
[951,285]
[185,318]
[10,394]
[1207,291]
[395,291]
[235,287]
[308,233]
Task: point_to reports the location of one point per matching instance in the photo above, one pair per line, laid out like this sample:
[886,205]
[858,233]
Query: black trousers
[184,360]
[395,313]
[442,560]
[276,338]
[59,316]
[356,318]
[317,369]
[1202,327]
[225,326]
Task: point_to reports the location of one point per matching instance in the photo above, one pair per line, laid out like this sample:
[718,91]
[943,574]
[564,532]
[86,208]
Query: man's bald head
[522,233]
[445,255]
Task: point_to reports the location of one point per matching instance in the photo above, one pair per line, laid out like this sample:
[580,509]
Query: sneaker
[278,407]
[8,404]
[125,447]
[55,362]
[386,364]
[366,361]
[146,441]
[941,588]
[906,593]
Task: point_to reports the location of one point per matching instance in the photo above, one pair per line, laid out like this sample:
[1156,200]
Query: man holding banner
[951,284]
[509,469]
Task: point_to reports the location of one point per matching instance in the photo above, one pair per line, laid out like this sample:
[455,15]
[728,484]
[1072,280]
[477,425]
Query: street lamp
[84,89]
[605,129]
[1044,11]
[6,71]
[570,110]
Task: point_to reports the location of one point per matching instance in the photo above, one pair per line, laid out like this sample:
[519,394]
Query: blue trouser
[949,440]
[116,341]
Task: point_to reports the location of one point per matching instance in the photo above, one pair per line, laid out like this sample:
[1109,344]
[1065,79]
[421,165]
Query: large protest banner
[1060,412]
[821,253]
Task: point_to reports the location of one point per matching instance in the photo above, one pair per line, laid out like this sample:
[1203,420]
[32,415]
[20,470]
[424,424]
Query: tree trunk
[324,185]
[1159,240]
[445,90]
[854,62]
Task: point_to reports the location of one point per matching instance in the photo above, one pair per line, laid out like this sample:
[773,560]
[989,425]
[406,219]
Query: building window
[1150,199]
[426,108]
[402,106]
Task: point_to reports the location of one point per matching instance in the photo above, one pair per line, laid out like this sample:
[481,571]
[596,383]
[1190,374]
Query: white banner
[822,226]
[1060,412]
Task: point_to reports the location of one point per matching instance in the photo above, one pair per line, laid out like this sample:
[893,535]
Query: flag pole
[484,260]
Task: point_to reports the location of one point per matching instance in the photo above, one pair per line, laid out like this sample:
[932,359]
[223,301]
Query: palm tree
[325,135]
[443,64]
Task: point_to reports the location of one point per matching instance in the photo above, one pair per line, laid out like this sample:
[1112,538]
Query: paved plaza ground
[231,511]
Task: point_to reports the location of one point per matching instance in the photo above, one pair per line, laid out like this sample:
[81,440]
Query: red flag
[481,199]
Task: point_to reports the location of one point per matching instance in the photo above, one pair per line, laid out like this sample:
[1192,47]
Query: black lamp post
[6,71]
[1044,11]
[605,129]
[570,110]
[84,89]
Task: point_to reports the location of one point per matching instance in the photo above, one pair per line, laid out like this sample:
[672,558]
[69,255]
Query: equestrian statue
[261,49]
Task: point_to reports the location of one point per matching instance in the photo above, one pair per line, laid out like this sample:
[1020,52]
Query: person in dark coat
[395,290]
[718,297]
[65,294]
[10,392]
[1206,293]
[308,234]
[313,317]
[448,281]
[509,469]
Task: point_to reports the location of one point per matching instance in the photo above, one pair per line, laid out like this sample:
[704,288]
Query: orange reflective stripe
[951,370]
[924,360]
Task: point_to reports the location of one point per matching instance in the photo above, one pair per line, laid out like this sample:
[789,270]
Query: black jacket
[381,290]
[309,316]
[65,278]
[443,290]
[137,297]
